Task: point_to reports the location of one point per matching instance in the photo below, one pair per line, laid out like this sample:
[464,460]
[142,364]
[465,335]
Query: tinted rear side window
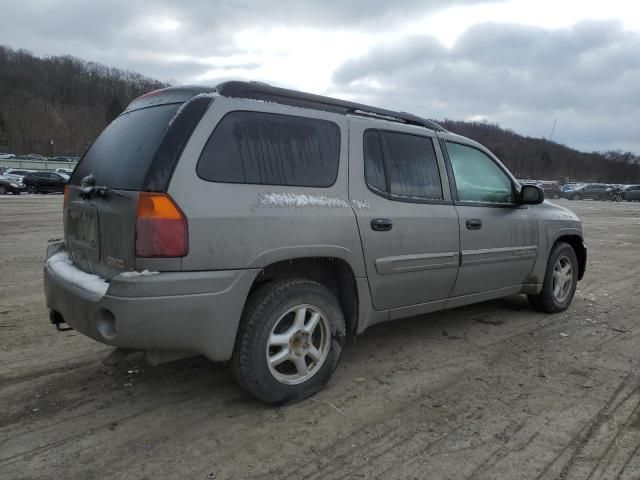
[408,161]
[271,149]
[374,162]
[412,166]
[122,154]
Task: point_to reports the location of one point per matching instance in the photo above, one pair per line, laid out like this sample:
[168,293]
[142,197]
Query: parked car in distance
[62,159]
[551,189]
[16,174]
[64,171]
[631,193]
[33,156]
[594,191]
[7,156]
[44,182]
[8,185]
[615,193]
[283,225]
[567,187]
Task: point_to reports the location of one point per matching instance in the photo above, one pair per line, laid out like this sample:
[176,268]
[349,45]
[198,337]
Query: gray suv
[261,226]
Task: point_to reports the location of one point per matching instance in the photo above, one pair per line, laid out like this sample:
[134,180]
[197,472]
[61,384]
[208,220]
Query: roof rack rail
[284,96]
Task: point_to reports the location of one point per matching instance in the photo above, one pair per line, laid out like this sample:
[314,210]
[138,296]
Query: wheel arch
[334,273]
[580,249]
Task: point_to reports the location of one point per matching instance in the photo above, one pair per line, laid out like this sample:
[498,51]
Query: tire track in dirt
[609,453]
[580,439]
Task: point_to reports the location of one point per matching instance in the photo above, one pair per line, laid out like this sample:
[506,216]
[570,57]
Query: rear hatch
[136,153]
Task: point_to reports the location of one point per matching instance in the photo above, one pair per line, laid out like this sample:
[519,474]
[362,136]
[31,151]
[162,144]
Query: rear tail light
[66,196]
[161,228]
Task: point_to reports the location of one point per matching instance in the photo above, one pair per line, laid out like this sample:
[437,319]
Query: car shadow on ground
[133,380]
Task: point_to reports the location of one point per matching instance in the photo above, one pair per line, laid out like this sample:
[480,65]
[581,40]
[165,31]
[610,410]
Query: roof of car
[283,96]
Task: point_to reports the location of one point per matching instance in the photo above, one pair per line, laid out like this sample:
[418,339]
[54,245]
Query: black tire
[264,309]
[546,301]
[3,190]
[32,189]
[577,197]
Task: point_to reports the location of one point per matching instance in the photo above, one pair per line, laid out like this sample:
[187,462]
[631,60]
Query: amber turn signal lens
[161,228]
[157,205]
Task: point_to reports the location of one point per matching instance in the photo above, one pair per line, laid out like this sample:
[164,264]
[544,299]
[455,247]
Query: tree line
[61,99]
[68,101]
[540,159]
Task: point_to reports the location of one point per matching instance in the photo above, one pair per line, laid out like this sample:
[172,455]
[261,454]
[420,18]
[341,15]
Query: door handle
[474,224]
[381,224]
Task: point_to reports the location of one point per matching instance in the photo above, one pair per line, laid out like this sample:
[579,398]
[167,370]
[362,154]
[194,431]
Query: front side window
[402,165]
[271,149]
[478,178]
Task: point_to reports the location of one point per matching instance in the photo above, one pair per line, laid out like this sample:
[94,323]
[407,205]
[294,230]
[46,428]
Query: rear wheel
[32,189]
[560,280]
[3,190]
[289,341]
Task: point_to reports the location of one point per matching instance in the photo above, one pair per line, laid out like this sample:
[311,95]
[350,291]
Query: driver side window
[478,178]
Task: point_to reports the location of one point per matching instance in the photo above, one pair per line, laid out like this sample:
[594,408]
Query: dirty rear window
[271,149]
[121,156]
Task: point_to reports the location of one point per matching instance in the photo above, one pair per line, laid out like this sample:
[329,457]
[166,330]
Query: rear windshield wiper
[88,188]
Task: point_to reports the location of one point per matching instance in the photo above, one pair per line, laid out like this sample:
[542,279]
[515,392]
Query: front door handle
[474,224]
[381,224]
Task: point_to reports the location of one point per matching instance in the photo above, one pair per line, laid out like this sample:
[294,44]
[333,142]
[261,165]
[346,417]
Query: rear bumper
[188,311]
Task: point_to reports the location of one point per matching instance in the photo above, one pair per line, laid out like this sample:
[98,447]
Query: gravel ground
[489,391]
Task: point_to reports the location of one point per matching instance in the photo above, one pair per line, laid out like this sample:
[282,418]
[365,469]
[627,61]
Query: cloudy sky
[519,63]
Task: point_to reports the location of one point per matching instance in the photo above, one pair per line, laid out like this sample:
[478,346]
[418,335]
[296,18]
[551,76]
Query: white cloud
[448,24]
[309,44]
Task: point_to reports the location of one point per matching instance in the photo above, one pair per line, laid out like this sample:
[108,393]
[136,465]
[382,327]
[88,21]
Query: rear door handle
[381,224]
[474,224]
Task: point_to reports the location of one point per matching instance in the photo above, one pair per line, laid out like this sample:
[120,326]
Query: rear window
[271,149]
[122,154]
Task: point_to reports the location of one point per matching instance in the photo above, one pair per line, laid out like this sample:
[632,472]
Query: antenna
[554,128]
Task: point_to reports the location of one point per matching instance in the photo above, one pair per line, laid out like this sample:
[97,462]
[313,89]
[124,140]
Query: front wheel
[560,280]
[32,189]
[3,190]
[289,341]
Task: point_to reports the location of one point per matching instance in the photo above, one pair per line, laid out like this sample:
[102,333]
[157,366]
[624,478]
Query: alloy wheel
[298,344]
[562,279]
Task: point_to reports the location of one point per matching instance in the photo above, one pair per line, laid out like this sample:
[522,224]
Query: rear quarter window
[271,149]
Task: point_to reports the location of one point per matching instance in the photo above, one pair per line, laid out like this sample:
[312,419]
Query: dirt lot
[491,391]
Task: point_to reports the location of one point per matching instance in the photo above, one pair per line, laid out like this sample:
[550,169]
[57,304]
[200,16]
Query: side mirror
[531,195]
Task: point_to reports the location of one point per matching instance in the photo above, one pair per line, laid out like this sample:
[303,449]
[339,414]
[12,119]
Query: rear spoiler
[167,95]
